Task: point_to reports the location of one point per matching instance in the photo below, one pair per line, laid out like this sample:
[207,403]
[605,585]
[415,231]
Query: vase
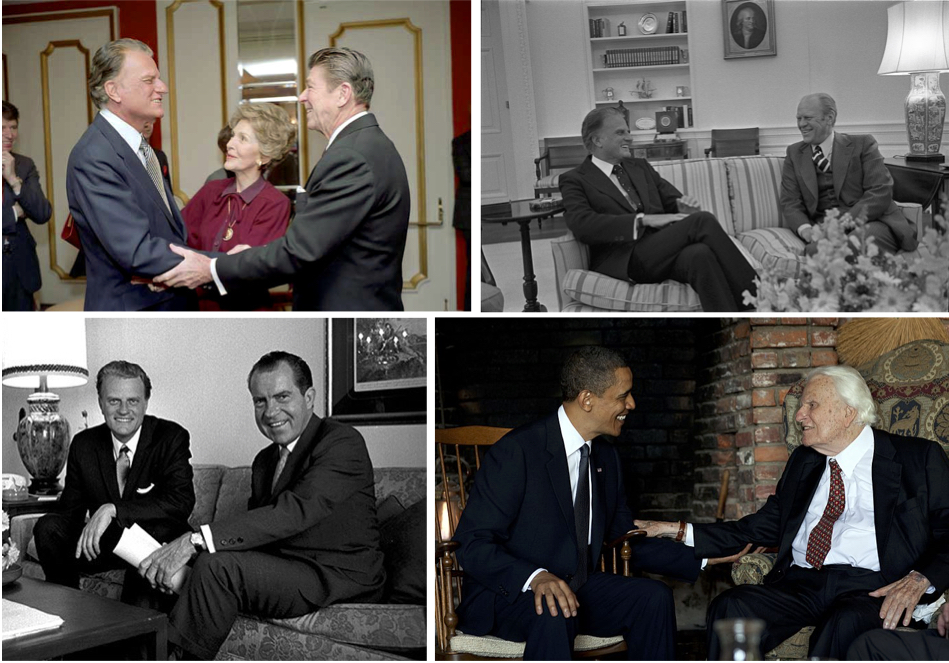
[42,438]
[925,114]
[739,639]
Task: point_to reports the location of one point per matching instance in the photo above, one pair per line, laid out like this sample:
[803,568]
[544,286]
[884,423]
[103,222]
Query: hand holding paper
[138,547]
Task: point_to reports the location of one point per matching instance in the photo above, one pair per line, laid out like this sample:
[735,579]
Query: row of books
[600,27]
[677,22]
[643,57]
[684,113]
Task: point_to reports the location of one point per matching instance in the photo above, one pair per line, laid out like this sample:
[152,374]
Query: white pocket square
[142,491]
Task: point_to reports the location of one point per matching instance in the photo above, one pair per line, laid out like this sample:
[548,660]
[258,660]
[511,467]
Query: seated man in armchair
[640,227]
[860,519]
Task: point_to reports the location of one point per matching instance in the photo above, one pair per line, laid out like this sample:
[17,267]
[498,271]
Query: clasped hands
[160,567]
[193,271]
[687,205]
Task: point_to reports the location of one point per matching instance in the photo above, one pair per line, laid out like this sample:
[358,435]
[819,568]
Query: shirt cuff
[217,281]
[690,542]
[527,585]
[638,226]
[208,539]
[802,227]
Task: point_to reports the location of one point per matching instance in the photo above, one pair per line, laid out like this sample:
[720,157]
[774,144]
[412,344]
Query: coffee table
[89,621]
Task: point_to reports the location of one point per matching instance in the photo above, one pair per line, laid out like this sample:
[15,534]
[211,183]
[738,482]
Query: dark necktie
[818,543]
[154,171]
[122,465]
[628,187]
[284,452]
[581,518]
[823,165]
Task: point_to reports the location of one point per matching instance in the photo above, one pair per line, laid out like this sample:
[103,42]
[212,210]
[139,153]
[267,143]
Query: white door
[412,102]
[497,144]
[53,115]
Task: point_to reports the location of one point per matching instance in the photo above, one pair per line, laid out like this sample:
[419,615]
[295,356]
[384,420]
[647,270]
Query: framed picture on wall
[377,370]
[749,29]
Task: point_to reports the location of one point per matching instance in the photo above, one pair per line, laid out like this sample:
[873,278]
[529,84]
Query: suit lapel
[142,451]
[811,470]
[604,184]
[886,488]
[137,170]
[105,459]
[843,149]
[557,471]
[597,533]
[805,166]
[304,446]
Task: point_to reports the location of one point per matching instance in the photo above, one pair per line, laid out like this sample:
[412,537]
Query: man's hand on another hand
[191,272]
[660,220]
[547,585]
[658,528]
[161,566]
[901,596]
[88,544]
[689,204]
[734,558]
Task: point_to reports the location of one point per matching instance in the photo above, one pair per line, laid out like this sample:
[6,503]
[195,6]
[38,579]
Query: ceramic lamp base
[925,115]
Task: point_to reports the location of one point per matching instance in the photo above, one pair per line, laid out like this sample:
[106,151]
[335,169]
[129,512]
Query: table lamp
[916,44]
[42,353]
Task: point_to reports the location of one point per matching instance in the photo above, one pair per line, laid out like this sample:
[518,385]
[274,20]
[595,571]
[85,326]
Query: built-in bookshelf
[636,62]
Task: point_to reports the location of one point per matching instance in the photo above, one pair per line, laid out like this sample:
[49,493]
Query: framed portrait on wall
[749,29]
[377,370]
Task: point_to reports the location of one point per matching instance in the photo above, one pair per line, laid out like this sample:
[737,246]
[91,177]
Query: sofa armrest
[21,532]
[751,569]
[569,253]
[914,214]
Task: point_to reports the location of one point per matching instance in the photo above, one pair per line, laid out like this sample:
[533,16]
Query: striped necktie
[823,165]
[628,187]
[154,172]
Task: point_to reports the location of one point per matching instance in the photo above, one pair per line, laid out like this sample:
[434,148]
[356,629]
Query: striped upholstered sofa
[742,192]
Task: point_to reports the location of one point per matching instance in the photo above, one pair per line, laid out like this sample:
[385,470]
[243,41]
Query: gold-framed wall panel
[170,12]
[52,226]
[421,207]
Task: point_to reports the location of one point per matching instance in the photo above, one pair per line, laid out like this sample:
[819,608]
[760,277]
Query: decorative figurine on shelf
[644,89]
[621,30]
[609,93]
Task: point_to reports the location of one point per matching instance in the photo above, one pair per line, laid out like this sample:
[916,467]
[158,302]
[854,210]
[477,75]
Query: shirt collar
[855,451]
[572,440]
[248,194]
[605,166]
[344,125]
[131,444]
[291,445]
[827,147]
[129,134]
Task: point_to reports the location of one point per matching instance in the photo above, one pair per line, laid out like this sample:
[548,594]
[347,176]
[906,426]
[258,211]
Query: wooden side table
[661,150]
[918,182]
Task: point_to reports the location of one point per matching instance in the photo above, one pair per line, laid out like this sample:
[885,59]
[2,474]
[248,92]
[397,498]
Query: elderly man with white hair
[860,519]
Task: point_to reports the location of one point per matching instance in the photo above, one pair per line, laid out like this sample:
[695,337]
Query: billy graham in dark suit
[22,198]
[343,249]
[158,492]
[886,551]
[640,227]
[309,537]
[854,180]
[528,576]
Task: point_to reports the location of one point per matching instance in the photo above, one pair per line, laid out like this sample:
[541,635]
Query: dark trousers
[639,609]
[697,251]
[56,537]
[15,296]
[883,645]
[835,600]
[223,584]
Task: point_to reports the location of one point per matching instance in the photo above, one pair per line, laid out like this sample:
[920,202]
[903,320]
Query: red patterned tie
[818,543]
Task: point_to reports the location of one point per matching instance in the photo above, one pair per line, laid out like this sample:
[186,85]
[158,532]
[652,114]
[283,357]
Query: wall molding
[520,89]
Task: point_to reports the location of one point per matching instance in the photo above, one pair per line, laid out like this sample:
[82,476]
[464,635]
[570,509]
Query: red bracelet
[681,533]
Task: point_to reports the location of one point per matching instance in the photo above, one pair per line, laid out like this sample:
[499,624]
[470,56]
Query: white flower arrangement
[11,554]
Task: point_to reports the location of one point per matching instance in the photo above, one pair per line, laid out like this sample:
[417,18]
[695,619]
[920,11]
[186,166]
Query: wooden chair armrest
[708,151]
[631,534]
[620,558]
[446,578]
[442,547]
[543,157]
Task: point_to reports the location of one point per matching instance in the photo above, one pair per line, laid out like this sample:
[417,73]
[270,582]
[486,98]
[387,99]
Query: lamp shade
[44,344]
[917,38]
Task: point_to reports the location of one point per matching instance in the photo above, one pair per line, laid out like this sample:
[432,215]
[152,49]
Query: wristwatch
[197,540]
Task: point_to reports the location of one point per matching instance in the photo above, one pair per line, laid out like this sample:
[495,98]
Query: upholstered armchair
[911,388]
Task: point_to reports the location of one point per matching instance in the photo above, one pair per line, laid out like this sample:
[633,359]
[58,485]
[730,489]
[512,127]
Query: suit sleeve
[792,199]
[116,217]
[31,197]
[877,184]
[71,502]
[340,196]
[173,494]
[586,223]
[935,562]
[668,194]
[338,471]
[485,524]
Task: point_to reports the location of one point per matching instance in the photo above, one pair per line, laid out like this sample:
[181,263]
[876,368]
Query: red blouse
[259,214]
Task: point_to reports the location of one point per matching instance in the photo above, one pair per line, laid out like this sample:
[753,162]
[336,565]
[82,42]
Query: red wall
[461,108]
[137,19]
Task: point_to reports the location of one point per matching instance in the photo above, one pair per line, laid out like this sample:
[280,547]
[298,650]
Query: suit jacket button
[240,539]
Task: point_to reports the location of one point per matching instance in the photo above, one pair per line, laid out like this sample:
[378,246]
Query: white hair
[852,390]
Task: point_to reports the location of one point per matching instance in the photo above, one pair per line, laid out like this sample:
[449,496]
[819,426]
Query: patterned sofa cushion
[408,484]
[704,179]
[605,292]
[778,251]
[207,486]
[755,191]
[391,627]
